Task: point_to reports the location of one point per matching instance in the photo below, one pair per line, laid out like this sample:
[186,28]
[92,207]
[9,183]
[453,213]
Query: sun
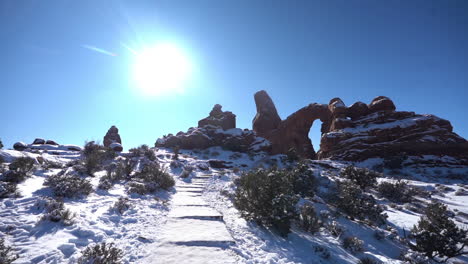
[161,69]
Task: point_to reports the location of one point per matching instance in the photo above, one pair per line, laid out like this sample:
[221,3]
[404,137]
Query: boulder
[39,141]
[51,142]
[112,136]
[381,103]
[116,147]
[20,146]
[337,107]
[358,110]
[218,118]
[267,117]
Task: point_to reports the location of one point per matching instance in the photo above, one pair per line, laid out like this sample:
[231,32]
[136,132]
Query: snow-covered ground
[196,222]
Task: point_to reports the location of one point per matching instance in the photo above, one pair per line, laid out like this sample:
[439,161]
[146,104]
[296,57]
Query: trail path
[194,232]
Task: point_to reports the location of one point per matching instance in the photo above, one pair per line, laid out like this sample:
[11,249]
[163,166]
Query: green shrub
[176,150]
[356,204]
[267,197]
[308,219]
[7,189]
[65,185]
[292,155]
[143,151]
[115,172]
[122,205]
[437,236]
[303,179]
[397,192]
[353,244]
[335,229]
[150,179]
[94,156]
[23,165]
[104,253]
[361,176]
[7,254]
[55,211]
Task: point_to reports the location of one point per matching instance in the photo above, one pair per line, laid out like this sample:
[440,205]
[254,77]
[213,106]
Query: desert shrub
[103,253]
[19,169]
[176,151]
[335,229]
[414,257]
[143,151]
[303,179]
[267,197]
[121,205]
[1,144]
[7,189]
[150,179]
[292,155]
[361,176]
[367,260]
[397,192]
[308,219]
[356,204]
[94,155]
[437,236]
[7,254]
[353,244]
[54,211]
[115,172]
[66,185]
[2,160]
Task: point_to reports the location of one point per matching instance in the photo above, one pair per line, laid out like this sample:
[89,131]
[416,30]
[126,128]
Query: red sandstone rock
[112,136]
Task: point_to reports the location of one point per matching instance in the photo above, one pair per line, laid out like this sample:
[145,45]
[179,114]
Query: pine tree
[437,236]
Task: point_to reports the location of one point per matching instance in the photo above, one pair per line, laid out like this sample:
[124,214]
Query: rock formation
[39,141]
[218,118]
[218,129]
[234,139]
[267,117]
[358,132]
[112,136]
[290,133]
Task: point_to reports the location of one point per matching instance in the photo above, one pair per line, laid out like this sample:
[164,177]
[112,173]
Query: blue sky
[299,51]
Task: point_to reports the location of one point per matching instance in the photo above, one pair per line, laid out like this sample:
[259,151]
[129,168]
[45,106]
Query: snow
[196,222]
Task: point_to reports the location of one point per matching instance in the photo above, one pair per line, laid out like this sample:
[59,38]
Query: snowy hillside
[193,219]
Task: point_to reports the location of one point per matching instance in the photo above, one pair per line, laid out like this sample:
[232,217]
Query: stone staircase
[195,232]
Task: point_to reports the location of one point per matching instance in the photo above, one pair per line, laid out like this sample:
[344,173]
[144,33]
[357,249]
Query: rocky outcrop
[20,146]
[359,132]
[389,133]
[51,142]
[267,118]
[234,139]
[291,133]
[112,136]
[218,118]
[39,141]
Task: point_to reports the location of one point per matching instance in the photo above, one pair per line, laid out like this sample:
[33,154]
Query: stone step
[181,200]
[195,212]
[183,230]
[176,254]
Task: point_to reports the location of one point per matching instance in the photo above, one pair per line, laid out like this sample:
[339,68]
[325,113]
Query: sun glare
[161,69]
